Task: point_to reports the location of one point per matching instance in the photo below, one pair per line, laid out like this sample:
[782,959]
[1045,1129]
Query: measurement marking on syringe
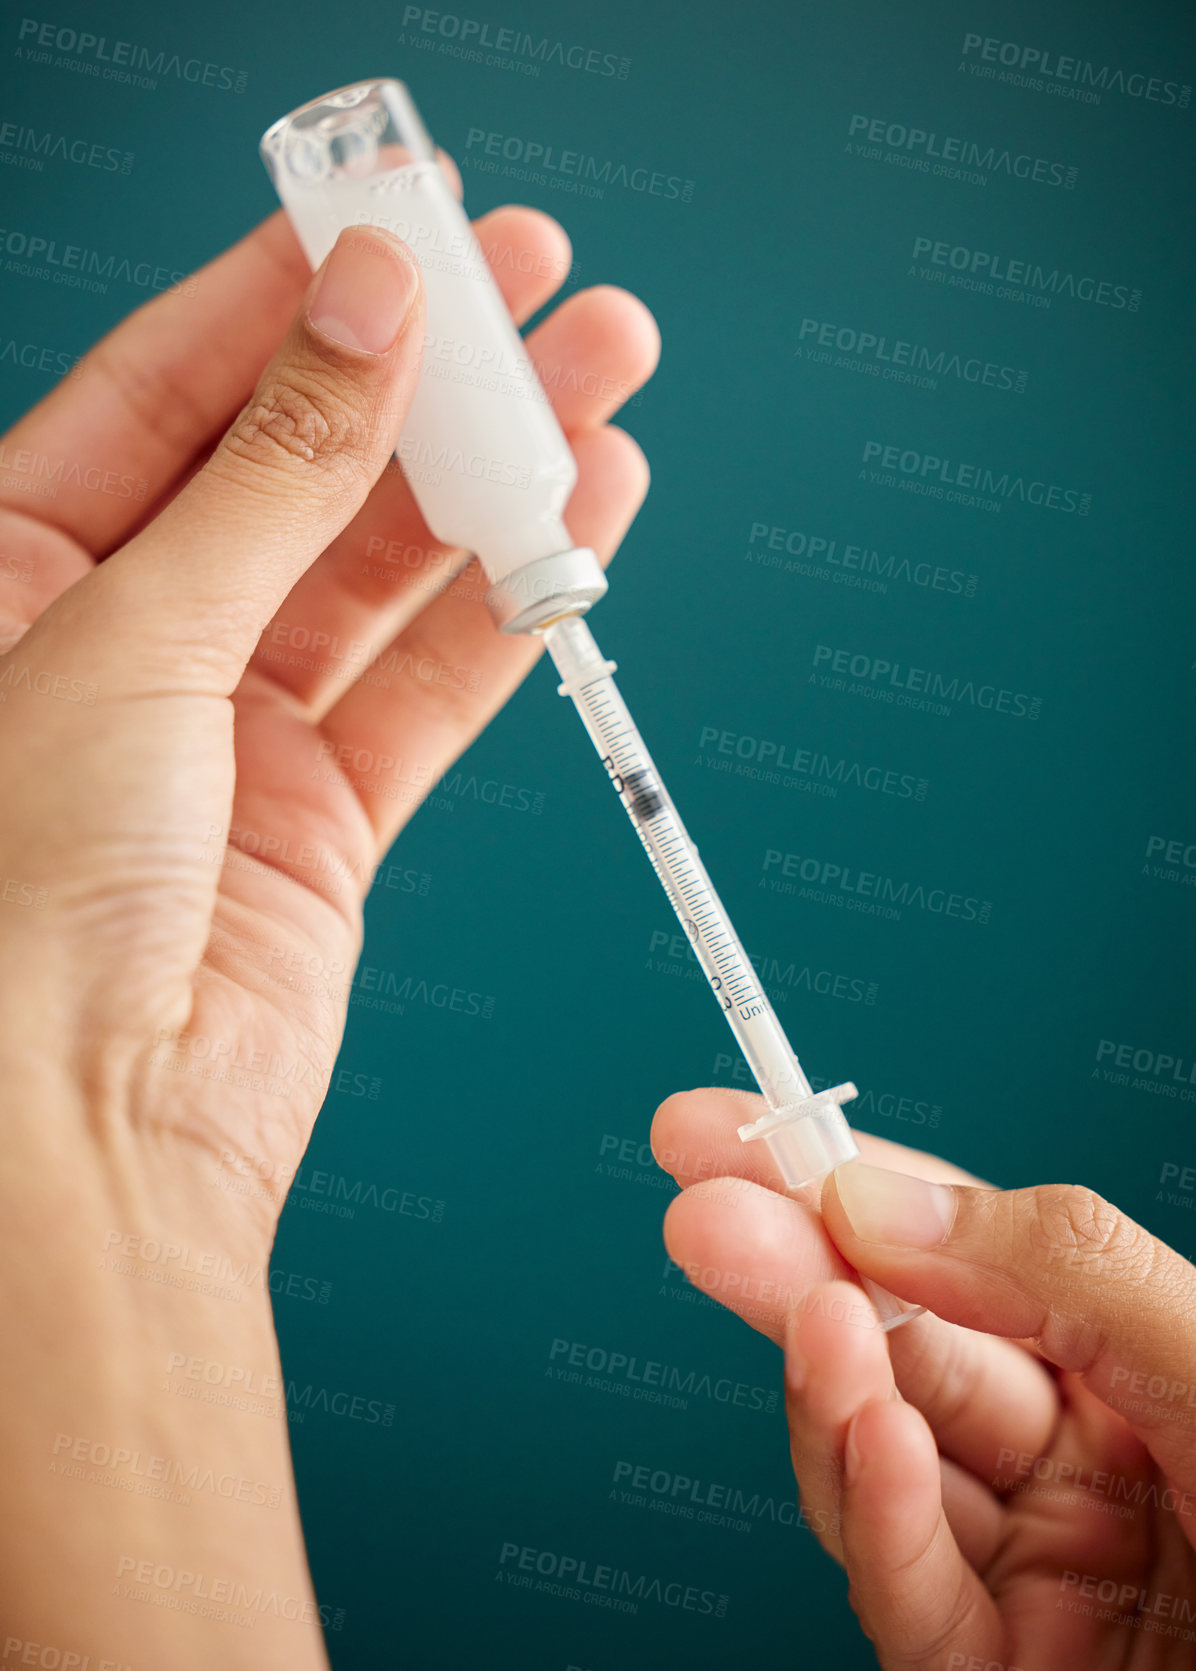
[675,860]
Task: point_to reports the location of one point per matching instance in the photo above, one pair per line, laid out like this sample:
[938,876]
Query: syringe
[805,1131]
[502,476]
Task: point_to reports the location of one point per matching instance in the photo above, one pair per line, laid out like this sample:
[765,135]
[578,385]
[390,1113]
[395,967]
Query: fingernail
[851,1454]
[365,292]
[796,1367]
[893,1208]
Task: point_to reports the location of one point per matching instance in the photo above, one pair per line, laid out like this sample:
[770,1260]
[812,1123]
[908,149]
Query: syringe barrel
[804,1131]
[486,459]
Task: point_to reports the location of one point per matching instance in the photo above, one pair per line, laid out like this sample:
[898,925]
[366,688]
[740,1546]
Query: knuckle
[946,1377]
[1076,1221]
[298,422]
[956,1623]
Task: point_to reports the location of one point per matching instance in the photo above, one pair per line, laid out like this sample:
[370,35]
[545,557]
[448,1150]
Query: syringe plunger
[807,1139]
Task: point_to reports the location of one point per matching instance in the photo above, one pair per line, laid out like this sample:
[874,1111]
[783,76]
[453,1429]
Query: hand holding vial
[200,778]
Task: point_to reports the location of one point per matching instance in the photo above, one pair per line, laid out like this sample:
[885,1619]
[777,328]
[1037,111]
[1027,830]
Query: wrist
[143,1415]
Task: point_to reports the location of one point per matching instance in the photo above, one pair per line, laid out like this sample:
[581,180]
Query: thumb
[1056,1264]
[182,605]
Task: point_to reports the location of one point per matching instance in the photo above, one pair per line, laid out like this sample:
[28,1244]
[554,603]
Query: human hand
[192,818]
[203,912]
[1010,1483]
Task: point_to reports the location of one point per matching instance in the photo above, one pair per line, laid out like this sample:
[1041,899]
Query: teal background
[508,1122]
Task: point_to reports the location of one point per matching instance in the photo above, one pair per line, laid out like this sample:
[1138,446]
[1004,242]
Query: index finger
[980,1394]
[694,1136]
[759,1252]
